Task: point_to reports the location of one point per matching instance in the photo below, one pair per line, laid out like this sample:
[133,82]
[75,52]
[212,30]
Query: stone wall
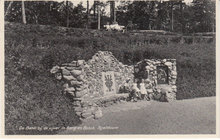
[83,80]
[86,81]
[105,62]
[160,76]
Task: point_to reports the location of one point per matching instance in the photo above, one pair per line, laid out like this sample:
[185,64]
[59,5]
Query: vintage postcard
[115,68]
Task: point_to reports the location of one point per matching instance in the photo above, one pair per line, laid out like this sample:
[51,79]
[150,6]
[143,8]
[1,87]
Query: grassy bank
[33,97]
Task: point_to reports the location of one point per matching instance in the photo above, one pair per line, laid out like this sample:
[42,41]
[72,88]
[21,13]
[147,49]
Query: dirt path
[193,116]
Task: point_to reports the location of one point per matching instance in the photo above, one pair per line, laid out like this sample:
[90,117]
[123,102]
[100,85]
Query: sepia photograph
[109,67]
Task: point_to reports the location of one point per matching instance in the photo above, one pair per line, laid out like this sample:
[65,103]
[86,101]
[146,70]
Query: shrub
[48,61]
[188,40]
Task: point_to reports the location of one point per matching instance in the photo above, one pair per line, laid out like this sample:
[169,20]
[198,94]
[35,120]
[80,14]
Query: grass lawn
[33,97]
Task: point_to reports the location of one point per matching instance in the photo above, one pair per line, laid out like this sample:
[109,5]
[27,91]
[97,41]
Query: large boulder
[81,62]
[169,64]
[58,76]
[70,90]
[65,72]
[69,78]
[80,93]
[76,83]
[55,69]
[76,72]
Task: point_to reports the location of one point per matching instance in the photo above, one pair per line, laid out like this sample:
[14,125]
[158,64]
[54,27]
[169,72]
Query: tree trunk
[114,14]
[112,11]
[23,13]
[9,6]
[98,17]
[94,8]
[171,16]
[67,13]
[181,11]
[87,14]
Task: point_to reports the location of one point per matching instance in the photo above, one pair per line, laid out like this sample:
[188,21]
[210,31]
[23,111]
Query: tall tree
[67,13]
[99,16]
[78,16]
[112,11]
[36,12]
[8,8]
[23,12]
[139,12]
[88,12]
[203,15]
[163,16]
[94,8]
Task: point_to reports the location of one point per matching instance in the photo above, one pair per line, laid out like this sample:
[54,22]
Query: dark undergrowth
[33,97]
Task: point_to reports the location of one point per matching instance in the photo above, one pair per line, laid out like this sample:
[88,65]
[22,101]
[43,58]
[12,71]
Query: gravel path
[192,116]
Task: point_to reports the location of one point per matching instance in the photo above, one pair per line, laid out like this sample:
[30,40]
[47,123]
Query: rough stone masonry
[99,80]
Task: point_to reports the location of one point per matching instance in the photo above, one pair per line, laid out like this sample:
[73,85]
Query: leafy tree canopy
[145,15]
